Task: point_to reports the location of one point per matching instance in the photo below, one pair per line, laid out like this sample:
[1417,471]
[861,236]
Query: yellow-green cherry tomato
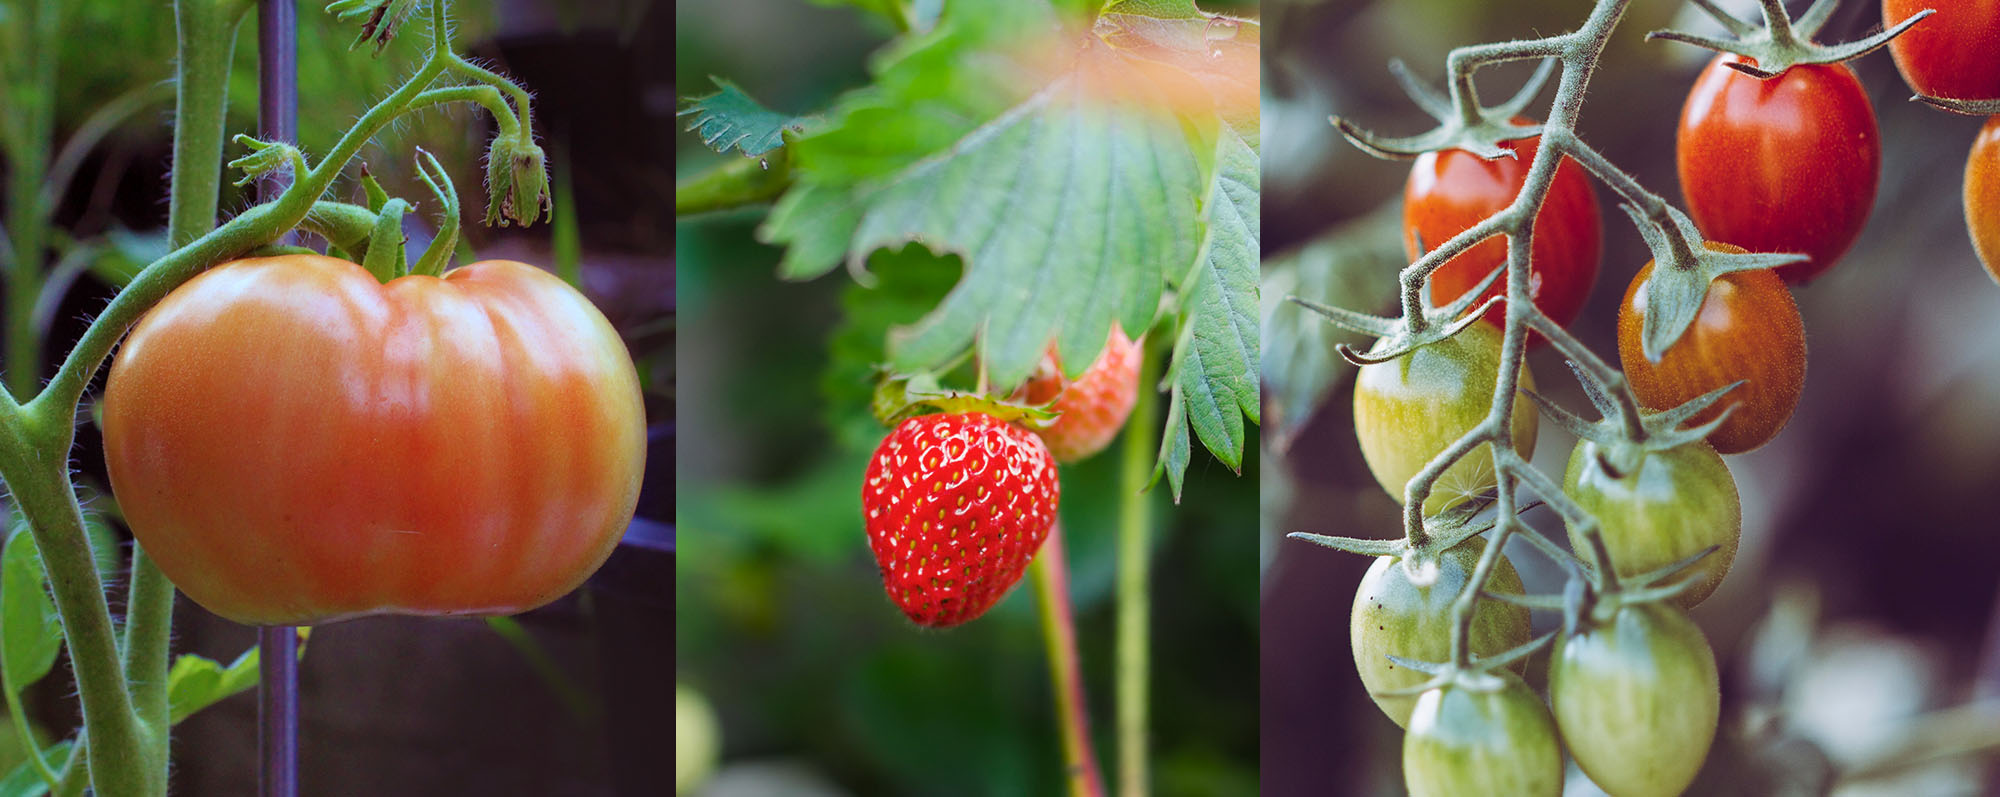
[1409,409]
[1403,608]
[1668,507]
[1484,734]
[1637,698]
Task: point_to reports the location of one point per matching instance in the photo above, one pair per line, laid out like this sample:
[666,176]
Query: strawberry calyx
[900,397]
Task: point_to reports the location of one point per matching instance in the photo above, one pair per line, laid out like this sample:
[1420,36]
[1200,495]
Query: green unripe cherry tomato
[1669,506]
[1486,734]
[1408,409]
[1403,608]
[1636,698]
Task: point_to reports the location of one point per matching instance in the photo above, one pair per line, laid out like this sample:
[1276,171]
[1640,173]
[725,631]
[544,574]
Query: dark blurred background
[1859,614]
[394,706]
[816,684]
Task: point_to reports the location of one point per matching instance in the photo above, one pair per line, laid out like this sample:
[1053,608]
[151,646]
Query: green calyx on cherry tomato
[1982,195]
[295,442]
[1748,328]
[1666,506]
[1787,164]
[1409,409]
[1448,192]
[1482,733]
[1636,696]
[1953,53]
[1403,608]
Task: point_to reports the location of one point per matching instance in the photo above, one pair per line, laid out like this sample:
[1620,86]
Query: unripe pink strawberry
[1095,406]
[956,505]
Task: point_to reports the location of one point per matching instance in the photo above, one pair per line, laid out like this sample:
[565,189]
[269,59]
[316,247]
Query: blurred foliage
[113,48]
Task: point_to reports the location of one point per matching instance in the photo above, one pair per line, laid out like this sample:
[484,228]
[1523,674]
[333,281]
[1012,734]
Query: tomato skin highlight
[1982,196]
[1672,505]
[295,443]
[1748,328]
[1637,700]
[1448,192]
[1493,739]
[1788,164]
[1408,409]
[1403,608]
[1953,53]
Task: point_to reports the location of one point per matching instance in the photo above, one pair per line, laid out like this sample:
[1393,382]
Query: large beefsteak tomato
[295,442]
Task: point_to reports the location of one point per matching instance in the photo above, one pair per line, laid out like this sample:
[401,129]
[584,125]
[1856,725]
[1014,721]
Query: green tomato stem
[1134,564]
[1051,574]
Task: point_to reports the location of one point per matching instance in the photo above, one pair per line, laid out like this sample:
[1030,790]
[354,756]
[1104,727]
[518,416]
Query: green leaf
[195,683]
[730,118]
[23,781]
[29,634]
[909,282]
[1215,359]
[1072,207]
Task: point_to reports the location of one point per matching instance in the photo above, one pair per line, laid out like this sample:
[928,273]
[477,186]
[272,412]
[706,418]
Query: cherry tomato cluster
[1786,163]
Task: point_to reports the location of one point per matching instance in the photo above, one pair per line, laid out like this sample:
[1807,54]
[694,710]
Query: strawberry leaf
[730,118]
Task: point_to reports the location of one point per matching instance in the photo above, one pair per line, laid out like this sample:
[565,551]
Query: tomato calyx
[1782,43]
[1966,107]
[1462,124]
[1622,446]
[1679,285]
[1395,337]
[900,397]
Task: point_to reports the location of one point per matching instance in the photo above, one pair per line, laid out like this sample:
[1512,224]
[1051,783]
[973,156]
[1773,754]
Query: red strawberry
[956,506]
[1095,406]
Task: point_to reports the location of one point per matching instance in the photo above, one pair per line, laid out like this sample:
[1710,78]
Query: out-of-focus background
[395,706]
[1863,597]
[815,683]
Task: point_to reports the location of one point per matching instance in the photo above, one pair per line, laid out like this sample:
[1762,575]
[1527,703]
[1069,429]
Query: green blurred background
[819,683]
[1859,614]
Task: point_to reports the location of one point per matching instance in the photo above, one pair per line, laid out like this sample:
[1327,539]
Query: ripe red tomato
[1748,328]
[1982,195]
[1403,608]
[1450,191]
[294,442]
[1408,410]
[1781,165]
[1637,697]
[1953,53]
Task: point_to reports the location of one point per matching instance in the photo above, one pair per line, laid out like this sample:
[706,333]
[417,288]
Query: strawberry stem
[1134,563]
[1051,574]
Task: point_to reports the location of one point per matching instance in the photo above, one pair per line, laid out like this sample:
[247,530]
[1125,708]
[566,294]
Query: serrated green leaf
[730,118]
[29,634]
[1216,359]
[24,781]
[1070,209]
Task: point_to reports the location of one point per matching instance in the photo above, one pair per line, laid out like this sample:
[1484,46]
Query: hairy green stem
[1134,564]
[1051,574]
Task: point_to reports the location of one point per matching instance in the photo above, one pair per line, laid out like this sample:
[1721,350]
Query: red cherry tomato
[1952,53]
[294,442]
[1781,165]
[1748,328]
[1450,191]
[1982,195]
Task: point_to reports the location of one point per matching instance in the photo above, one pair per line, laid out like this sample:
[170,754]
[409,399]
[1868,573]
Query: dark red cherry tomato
[1952,53]
[1450,191]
